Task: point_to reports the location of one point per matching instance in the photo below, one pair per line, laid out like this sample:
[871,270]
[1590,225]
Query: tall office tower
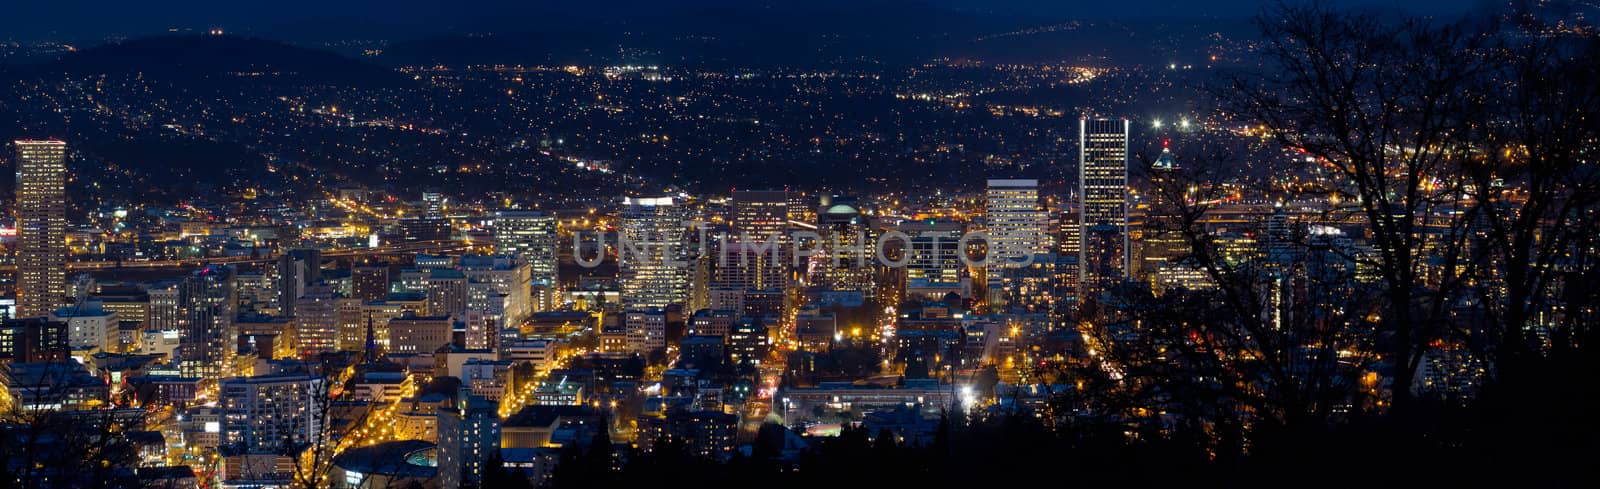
[1103,258]
[699,283]
[848,236]
[41,227]
[498,286]
[654,269]
[469,432]
[265,413]
[164,312]
[316,320]
[1017,222]
[1067,245]
[370,282]
[1162,244]
[296,269]
[207,308]
[760,224]
[447,291]
[933,260]
[535,237]
[1280,247]
[433,205]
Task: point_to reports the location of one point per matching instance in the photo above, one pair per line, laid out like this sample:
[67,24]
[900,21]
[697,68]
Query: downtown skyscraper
[748,259]
[208,305]
[1017,222]
[1103,258]
[41,227]
[532,235]
[652,268]
[535,237]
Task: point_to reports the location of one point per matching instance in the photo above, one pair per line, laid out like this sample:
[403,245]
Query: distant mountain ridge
[221,59]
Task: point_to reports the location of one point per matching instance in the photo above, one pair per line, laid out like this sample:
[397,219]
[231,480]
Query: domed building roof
[404,459]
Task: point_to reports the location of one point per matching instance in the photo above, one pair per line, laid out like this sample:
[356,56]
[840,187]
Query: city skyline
[846,244]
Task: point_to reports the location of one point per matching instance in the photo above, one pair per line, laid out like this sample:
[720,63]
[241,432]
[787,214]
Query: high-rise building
[1068,242]
[533,236]
[499,286]
[316,320]
[261,414]
[757,255]
[654,269]
[747,341]
[469,432]
[33,340]
[1016,222]
[1103,258]
[164,312]
[934,266]
[41,227]
[1162,244]
[447,291]
[370,282]
[129,302]
[848,236]
[207,309]
[256,293]
[296,269]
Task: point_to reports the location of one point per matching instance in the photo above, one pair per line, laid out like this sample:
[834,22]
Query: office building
[263,413]
[654,268]
[89,326]
[411,333]
[1016,222]
[848,236]
[370,282]
[1103,257]
[296,269]
[433,205]
[207,308]
[41,205]
[33,340]
[646,330]
[316,320]
[499,286]
[534,236]
[757,255]
[933,266]
[469,432]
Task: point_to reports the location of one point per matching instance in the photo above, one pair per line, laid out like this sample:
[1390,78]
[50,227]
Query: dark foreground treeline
[1544,441]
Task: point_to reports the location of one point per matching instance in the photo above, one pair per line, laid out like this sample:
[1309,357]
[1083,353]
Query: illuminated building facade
[1103,258]
[653,270]
[41,227]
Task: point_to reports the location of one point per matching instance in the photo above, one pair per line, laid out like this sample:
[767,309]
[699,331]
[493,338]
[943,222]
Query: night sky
[91,19]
